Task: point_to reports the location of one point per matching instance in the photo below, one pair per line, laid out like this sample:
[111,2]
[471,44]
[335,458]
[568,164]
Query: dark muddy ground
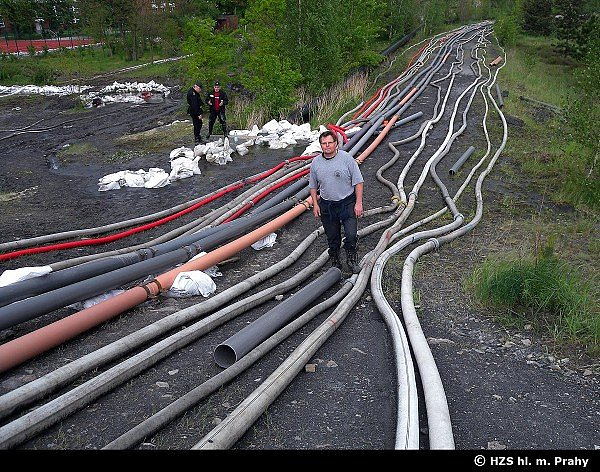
[504,388]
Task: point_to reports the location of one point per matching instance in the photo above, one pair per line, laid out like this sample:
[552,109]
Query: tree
[212,53]
[270,72]
[537,16]
[574,21]
[20,13]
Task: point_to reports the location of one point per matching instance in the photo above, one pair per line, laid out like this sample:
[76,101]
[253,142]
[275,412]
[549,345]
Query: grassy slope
[551,161]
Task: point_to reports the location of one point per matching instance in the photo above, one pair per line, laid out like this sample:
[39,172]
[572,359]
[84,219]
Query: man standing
[195,103]
[335,174]
[217,100]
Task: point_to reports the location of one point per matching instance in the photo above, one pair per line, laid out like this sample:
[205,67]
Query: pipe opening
[225,355]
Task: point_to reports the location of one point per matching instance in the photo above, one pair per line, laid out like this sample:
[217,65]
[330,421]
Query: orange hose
[30,345]
[363,155]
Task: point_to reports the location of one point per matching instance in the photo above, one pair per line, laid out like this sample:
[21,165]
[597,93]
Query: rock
[278,297]
[495,445]
[587,372]
[173,372]
[216,420]
[526,342]
[528,327]
[433,341]
[162,384]
[497,397]
[331,364]
[512,400]
[310,367]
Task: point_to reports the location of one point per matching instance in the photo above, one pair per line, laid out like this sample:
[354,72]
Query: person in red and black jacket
[217,100]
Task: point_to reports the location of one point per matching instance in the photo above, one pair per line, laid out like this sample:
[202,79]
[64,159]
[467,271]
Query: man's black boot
[334,257]
[352,261]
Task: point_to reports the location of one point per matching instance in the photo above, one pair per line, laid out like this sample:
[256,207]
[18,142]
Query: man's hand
[316,210]
[358,209]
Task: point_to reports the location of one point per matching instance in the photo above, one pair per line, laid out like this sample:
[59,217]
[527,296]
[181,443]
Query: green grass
[544,146]
[157,138]
[79,64]
[543,290]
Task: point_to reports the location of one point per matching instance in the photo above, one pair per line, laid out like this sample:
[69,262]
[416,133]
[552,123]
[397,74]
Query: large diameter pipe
[32,344]
[241,343]
[408,119]
[461,160]
[499,94]
[24,310]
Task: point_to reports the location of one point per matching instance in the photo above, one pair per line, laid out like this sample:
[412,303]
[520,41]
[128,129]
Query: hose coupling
[412,193]
[459,215]
[142,253]
[435,242]
[149,293]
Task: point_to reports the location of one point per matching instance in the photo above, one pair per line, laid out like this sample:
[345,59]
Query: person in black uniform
[195,104]
[217,100]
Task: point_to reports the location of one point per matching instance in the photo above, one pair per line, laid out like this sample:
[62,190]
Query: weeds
[543,290]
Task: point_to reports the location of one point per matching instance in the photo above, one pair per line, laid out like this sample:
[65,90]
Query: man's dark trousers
[333,216]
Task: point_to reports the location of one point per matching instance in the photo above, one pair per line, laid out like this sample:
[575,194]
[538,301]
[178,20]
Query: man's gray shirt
[335,177]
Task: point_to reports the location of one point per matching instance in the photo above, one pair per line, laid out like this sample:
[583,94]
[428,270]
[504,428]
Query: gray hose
[237,346]
[461,160]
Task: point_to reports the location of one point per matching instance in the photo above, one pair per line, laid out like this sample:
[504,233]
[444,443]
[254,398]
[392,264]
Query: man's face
[329,146]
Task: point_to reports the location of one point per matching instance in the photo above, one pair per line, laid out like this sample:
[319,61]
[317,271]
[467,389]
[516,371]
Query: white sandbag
[199,150]
[114,177]
[220,157]
[11,276]
[271,127]
[90,302]
[267,241]
[277,144]
[181,152]
[190,284]
[285,125]
[241,149]
[156,178]
[108,186]
[134,178]
[312,148]
[182,168]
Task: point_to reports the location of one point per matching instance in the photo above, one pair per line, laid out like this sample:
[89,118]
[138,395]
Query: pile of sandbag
[216,152]
[183,165]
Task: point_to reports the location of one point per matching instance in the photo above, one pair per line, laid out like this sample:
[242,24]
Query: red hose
[124,234]
[262,195]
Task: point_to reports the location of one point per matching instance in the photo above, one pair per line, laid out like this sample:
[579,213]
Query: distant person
[336,176]
[195,104]
[217,101]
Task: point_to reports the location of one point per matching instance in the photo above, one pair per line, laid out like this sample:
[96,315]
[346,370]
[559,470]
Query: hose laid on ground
[18,350]
[24,310]
[187,401]
[168,215]
[237,346]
